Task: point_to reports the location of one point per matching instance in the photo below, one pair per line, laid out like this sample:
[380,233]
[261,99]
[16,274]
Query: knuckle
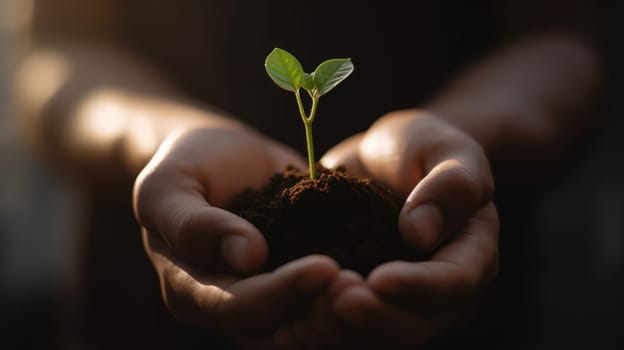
[181,222]
[472,170]
[467,182]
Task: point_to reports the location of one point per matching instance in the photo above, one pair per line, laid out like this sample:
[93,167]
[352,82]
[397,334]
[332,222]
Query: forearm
[100,112]
[527,103]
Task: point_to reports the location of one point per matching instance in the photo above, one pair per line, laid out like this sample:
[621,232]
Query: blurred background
[580,235]
[37,213]
[576,252]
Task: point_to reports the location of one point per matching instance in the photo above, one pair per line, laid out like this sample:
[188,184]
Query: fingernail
[426,222]
[234,250]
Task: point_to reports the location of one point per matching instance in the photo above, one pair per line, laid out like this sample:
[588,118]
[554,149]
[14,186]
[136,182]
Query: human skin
[473,129]
[444,173]
[444,176]
[460,270]
[437,158]
[207,258]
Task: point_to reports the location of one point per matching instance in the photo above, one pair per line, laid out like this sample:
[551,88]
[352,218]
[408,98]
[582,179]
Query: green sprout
[286,71]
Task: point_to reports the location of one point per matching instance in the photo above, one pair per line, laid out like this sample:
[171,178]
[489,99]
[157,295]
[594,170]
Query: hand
[448,211]
[203,254]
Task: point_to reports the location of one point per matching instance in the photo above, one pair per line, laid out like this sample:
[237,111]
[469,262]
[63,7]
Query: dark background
[561,284]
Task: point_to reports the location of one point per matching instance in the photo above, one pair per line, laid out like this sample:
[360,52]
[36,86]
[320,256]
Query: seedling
[286,71]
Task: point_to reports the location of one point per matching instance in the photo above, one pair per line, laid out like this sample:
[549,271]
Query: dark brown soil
[350,219]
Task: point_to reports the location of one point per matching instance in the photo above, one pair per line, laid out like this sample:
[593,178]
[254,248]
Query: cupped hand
[205,256]
[446,180]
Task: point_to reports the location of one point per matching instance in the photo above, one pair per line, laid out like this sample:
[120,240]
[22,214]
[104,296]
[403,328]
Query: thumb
[448,194]
[264,302]
[445,172]
[205,236]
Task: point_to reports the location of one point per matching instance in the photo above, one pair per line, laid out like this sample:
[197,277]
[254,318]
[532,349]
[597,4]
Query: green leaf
[284,69]
[308,82]
[330,73]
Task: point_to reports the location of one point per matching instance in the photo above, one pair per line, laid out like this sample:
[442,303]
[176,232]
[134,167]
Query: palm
[203,253]
[446,180]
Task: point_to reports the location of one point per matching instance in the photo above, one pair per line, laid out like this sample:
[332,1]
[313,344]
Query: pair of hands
[207,259]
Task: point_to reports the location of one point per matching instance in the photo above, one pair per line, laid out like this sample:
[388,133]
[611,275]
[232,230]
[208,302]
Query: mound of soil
[351,219]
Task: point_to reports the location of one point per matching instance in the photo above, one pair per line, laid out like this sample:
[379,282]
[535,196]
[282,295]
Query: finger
[355,305]
[188,299]
[373,324]
[170,200]
[345,154]
[322,329]
[344,280]
[206,236]
[376,324]
[269,300]
[456,274]
[456,183]
[444,171]
[253,306]
[329,331]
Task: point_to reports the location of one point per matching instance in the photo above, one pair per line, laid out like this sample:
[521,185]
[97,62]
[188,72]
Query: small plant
[286,71]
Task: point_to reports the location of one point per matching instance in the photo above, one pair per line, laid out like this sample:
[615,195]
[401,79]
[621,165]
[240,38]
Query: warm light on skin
[445,166]
[159,156]
[42,75]
[212,295]
[102,117]
[383,147]
[142,139]
[113,118]
[383,154]
[331,162]
[113,121]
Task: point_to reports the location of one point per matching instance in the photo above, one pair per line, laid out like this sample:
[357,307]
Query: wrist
[119,131]
[153,120]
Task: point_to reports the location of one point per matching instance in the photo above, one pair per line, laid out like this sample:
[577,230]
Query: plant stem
[307,122]
[310,144]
